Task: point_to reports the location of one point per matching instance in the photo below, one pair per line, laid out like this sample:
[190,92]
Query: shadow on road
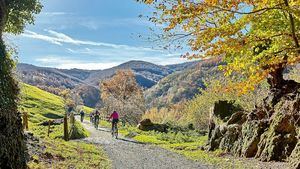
[103,129]
[131,141]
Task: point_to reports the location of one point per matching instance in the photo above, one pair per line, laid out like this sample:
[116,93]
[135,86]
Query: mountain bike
[96,123]
[114,132]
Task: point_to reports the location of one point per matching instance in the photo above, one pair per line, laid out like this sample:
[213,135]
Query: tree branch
[292,24]
[246,13]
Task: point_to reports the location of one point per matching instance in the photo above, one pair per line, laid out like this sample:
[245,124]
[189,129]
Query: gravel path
[129,154]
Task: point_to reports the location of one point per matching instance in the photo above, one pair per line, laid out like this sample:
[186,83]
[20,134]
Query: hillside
[145,71]
[85,82]
[40,104]
[181,85]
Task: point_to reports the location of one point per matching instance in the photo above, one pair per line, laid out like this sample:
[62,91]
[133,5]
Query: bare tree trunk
[279,86]
[276,79]
[12,149]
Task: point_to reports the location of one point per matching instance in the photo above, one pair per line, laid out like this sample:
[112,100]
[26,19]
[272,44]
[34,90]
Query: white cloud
[30,34]
[58,38]
[84,54]
[87,66]
[62,63]
[53,13]
[69,63]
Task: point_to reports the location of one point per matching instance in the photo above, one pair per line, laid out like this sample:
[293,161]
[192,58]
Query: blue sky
[93,34]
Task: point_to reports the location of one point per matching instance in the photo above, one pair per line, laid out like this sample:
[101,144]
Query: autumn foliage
[256,38]
[122,93]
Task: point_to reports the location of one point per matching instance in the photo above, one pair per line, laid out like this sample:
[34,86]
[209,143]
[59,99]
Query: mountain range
[85,83]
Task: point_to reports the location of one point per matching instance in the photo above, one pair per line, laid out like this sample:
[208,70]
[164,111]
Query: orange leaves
[121,86]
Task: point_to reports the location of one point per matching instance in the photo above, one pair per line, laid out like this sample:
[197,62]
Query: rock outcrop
[270,133]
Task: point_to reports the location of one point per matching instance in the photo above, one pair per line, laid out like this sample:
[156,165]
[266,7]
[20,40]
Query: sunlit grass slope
[40,104]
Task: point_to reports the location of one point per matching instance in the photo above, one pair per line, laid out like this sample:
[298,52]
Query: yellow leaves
[149,1]
[212,2]
[252,36]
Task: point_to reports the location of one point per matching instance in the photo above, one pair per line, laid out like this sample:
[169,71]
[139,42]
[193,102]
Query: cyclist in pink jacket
[115,117]
[114,124]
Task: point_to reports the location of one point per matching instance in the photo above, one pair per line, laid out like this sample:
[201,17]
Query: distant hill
[183,66]
[181,85]
[86,82]
[146,72]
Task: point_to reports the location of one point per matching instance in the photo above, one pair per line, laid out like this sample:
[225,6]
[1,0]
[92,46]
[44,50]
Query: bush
[197,110]
[169,115]
[78,132]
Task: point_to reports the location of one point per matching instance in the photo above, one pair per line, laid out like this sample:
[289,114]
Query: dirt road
[129,154]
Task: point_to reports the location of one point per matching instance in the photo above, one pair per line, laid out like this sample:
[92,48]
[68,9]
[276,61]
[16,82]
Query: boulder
[215,139]
[34,146]
[279,141]
[219,115]
[224,109]
[146,122]
[229,138]
[251,132]
[147,125]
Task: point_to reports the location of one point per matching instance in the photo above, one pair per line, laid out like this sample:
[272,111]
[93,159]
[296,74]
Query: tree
[123,94]
[14,15]
[257,39]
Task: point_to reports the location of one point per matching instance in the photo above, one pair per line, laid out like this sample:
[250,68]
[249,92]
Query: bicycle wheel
[113,132]
[96,123]
[116,132]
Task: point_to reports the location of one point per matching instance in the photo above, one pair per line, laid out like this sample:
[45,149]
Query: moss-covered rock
[147,125]
[230,137]
[280,139]
[251,132]
[214,141]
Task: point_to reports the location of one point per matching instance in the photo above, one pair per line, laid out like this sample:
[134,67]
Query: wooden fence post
[25,120]
[66,131]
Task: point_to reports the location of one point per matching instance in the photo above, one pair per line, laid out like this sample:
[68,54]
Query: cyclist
[81,115]
[92,117]
[115,119]
[96,119]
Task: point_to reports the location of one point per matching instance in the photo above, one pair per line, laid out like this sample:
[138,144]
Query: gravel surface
[129,154]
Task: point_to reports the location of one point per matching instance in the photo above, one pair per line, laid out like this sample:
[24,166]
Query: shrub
[78,132]
[196,111]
